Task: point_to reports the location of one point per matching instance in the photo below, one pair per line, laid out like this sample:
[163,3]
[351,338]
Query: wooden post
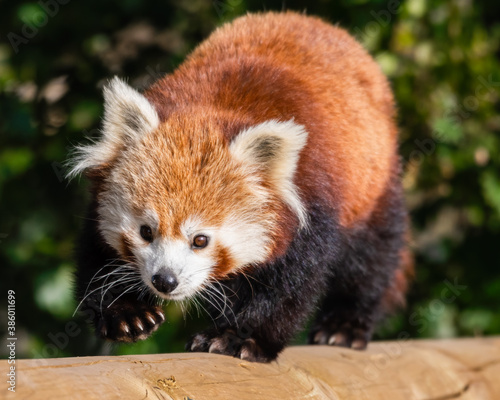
[405,370]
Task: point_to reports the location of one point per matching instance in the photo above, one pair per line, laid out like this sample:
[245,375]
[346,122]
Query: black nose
[165,281]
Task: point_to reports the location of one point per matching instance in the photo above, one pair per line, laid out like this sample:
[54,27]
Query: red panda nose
[165,281]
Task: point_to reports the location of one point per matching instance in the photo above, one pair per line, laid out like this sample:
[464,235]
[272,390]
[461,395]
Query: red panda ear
[127,115]
[274,148]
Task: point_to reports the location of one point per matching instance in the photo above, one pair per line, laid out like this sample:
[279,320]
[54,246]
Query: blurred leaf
[54,292]
[416,8]
[84,115]
[491,188]
[476,321]
[14,162]
[448,130]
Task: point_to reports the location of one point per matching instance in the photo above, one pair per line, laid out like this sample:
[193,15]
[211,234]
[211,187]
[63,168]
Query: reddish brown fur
[352,136]
[394,296]
[224,263]
[126,248]
[187,168]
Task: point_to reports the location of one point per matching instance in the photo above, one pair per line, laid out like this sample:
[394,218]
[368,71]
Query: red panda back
[291,66]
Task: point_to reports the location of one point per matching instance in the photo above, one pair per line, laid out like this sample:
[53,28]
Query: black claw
[129,321]
[354,334]
[228,343]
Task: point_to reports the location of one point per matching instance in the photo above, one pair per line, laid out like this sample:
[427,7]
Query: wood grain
[425,370]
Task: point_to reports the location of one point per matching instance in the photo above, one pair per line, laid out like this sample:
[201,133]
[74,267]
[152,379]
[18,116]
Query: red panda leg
[344,325]
[368,282]
[349,323]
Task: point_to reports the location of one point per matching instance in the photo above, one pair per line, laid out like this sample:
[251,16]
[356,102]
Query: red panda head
[179,201]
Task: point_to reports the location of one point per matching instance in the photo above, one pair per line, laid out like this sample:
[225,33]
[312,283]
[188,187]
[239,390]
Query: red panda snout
[165,281]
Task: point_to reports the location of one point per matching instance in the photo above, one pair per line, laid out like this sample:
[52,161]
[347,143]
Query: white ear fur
[127,116]
[274,148]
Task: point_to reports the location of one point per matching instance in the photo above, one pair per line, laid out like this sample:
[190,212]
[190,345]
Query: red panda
[261,177]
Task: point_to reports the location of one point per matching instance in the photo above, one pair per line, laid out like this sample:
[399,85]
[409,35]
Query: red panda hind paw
[228,343]
[344,336]
[129,324]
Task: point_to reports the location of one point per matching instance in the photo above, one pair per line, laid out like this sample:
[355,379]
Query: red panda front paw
[228,343]
[129,322]
[347,334]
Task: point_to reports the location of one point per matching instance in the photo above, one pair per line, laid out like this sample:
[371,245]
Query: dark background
[442,60]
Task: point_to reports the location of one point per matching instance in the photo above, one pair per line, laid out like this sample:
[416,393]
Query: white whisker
[125,274]
[135,286]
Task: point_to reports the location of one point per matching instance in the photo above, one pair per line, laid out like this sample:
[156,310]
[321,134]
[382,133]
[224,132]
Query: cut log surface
[420,369]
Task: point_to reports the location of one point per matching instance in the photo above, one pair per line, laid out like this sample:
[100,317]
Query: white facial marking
[191,268]
[247,241]
[115,217]
[192,226]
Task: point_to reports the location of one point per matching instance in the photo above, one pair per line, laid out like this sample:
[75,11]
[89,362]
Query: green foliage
[442,60]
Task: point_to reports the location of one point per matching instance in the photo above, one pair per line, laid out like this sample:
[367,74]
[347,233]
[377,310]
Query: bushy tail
[395,295]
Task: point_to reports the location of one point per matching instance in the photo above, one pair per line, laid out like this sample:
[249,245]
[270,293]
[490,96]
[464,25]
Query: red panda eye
[200,241]
[146,233]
